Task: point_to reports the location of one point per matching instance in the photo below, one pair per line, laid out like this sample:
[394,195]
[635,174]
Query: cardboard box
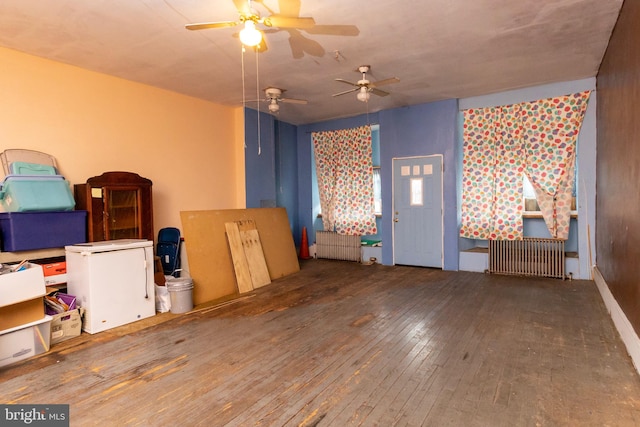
[66,325]
[25,341]
[21,313]
[58,279]
[54,268]
[22,285]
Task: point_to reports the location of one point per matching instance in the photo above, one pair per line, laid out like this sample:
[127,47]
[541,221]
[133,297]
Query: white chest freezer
[112,280]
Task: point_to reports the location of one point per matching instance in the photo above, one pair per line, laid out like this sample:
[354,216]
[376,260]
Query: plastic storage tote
[24,193]
[24,168]
[25,231]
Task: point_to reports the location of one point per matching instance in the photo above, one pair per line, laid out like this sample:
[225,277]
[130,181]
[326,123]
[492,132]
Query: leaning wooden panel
[239,258]
[254,253]
[210,263]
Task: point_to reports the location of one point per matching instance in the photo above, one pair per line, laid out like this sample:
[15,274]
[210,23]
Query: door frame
[393,203]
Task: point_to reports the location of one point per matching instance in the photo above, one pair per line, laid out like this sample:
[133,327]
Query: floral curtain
[345,180]
[500,144]
[550,140]
[492,174]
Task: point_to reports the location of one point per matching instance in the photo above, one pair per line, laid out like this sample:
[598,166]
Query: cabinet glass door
[122,211]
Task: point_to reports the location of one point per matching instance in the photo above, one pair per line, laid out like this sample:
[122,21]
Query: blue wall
[284,172]
[259,160]
[404,132]
[419,130]
[286,164]
[271,173]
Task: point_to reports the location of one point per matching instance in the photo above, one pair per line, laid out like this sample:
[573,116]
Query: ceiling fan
[364,87]
[250,18]
[274,98]
[299,43]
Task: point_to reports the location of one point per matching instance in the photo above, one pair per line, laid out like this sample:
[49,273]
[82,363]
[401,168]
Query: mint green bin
[24,193]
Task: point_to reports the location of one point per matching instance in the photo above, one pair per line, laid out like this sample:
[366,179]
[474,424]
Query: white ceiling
[439,49]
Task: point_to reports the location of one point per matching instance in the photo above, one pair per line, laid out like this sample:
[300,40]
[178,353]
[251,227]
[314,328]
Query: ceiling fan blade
[334,30]
[206,25]
[243,7]
[347,82]
[282,21]
[297,46]
[289,7]
[293,101]
[384,82]
[346,91]
[378,91]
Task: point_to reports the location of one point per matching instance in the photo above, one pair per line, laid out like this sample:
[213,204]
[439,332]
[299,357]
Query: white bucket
[181,294]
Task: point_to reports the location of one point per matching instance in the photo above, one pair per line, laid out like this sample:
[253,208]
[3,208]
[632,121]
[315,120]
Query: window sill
[538,214]
[377,216]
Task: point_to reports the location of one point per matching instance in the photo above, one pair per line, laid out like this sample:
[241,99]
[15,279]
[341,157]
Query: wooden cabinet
[119,206]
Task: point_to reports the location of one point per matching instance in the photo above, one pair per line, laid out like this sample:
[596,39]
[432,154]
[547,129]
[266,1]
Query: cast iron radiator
[331,245]
[530,256]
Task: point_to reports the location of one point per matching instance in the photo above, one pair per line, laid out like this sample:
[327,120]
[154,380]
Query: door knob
[395,219]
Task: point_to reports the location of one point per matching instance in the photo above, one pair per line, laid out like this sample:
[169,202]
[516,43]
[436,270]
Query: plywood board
[238,257]
[254,254]
[210,263]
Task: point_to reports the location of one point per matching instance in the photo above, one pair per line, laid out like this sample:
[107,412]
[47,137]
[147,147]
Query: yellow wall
[91,123]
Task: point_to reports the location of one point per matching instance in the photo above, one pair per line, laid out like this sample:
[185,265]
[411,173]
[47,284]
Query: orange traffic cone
[304,245]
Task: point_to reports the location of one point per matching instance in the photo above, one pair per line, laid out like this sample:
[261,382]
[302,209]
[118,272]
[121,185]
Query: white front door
[417,208]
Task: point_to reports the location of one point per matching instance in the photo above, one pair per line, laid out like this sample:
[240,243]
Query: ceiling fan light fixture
[273,106]
[250,36]
[363,95]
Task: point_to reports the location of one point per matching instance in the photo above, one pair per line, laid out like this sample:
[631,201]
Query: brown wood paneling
[210,263]
[618,163]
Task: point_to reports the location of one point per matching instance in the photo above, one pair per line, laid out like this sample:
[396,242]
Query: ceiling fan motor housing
[273,92]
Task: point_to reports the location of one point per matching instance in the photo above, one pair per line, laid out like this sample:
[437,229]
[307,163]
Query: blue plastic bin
[25,231]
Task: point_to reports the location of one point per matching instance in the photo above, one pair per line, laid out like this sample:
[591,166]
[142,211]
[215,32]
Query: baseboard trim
[622,324]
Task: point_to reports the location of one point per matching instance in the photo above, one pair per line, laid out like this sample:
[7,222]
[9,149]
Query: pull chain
[258,98]
[242,51]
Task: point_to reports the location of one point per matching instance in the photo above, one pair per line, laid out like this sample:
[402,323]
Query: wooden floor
[341,344]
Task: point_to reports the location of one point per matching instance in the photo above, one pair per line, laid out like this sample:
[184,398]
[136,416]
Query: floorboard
[339,344]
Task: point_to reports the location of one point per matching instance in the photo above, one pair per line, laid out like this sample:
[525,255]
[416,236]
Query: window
[529,194]
[377,182]
[416,192]
[375,160]
[530,202]
[377,191]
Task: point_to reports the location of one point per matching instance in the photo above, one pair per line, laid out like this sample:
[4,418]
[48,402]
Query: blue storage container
[25,231]
[36,193]
[25,168]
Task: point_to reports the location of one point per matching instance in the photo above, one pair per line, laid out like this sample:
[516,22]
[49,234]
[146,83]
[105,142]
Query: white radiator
[331,245]
[530,256]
